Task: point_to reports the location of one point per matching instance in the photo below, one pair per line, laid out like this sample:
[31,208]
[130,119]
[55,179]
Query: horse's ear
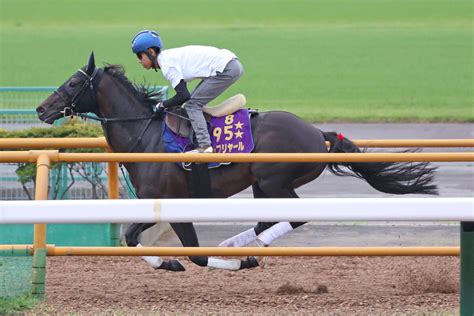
[91,64]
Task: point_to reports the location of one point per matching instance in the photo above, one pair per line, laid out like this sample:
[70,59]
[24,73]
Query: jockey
[217,69]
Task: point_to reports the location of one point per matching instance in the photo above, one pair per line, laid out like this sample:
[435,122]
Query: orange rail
[241,251]
[100,142]
[55,156]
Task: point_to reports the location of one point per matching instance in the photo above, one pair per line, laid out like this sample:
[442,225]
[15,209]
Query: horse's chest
[163,180]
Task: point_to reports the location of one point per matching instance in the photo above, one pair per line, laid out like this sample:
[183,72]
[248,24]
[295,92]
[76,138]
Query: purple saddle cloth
[229,134]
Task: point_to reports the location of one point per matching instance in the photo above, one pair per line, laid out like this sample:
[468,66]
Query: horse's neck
[116,102]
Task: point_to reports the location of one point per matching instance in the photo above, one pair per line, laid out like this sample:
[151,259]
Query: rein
[105,120]
[118,119]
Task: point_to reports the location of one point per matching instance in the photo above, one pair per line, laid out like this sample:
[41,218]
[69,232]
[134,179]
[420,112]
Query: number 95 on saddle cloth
[229,134]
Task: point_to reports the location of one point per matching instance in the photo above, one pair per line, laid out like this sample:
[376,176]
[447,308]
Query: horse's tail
[388,177]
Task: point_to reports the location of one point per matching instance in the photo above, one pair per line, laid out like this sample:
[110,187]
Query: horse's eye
[72,84]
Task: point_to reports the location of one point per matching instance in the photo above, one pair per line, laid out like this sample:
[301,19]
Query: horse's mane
[146,95]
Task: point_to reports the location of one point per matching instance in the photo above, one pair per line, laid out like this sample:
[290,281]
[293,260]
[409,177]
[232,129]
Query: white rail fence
[221,210]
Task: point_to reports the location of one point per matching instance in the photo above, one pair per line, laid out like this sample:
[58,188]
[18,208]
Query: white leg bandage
[240,240]
[227,264]
[153,261]
[274,232]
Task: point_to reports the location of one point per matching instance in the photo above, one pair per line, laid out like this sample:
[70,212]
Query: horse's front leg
[132,238]
[188,237]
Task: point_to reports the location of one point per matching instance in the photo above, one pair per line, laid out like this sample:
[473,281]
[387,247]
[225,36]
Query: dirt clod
[321,289]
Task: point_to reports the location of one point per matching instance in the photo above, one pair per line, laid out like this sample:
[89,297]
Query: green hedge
[74,128]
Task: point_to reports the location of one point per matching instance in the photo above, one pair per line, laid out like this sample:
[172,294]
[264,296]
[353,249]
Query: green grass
[324,60]
[15,305]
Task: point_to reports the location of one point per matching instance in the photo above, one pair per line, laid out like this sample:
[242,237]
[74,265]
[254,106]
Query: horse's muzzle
[46,117]
[40,110]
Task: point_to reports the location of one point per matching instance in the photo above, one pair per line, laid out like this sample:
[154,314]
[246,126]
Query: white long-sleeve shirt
[193,62]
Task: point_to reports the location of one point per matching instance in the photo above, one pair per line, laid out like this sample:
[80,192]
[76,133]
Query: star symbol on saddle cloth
[238,134]
[239,125]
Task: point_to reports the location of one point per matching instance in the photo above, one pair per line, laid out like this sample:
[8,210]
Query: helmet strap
[152,59]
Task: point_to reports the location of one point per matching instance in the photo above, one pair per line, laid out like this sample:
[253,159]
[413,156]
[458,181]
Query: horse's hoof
[176,266]
[250,263]
[172,265]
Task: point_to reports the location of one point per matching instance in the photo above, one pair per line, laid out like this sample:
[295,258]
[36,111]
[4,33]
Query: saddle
[182,127]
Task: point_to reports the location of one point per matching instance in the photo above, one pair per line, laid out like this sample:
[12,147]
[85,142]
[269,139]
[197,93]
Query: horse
[130,125]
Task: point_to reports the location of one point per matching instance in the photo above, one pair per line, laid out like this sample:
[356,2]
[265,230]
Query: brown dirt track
[292,285]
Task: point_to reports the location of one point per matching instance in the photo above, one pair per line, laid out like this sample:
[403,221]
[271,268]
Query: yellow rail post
[112,169]
[43,163]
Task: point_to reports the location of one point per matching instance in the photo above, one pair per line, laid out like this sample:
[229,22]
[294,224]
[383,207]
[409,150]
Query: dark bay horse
[122,106]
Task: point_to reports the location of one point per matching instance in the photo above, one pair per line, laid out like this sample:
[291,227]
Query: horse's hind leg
[250,235]
[264,232]
[132,237]
[268,232]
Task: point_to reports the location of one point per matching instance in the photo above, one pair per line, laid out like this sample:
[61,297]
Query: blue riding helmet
[144,40]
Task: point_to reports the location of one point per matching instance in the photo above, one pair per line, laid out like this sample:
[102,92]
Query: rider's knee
[194,105]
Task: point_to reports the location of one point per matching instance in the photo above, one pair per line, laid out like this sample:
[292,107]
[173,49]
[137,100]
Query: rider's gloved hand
[159,107]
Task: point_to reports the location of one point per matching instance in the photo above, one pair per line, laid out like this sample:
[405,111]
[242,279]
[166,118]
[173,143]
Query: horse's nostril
[40,110]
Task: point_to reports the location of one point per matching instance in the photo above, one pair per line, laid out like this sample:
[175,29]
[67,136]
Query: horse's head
[77,94]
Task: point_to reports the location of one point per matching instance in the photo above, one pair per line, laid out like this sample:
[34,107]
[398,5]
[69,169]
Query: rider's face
[144,60]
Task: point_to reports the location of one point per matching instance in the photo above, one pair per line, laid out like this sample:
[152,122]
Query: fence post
[112,170]
[467,269]
[43,164]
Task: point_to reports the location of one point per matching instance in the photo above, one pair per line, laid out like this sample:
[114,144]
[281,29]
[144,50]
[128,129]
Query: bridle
[89,84]
[74,107]
[92,81]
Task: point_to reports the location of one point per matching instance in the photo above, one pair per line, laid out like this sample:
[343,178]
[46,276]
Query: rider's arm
[182,95]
